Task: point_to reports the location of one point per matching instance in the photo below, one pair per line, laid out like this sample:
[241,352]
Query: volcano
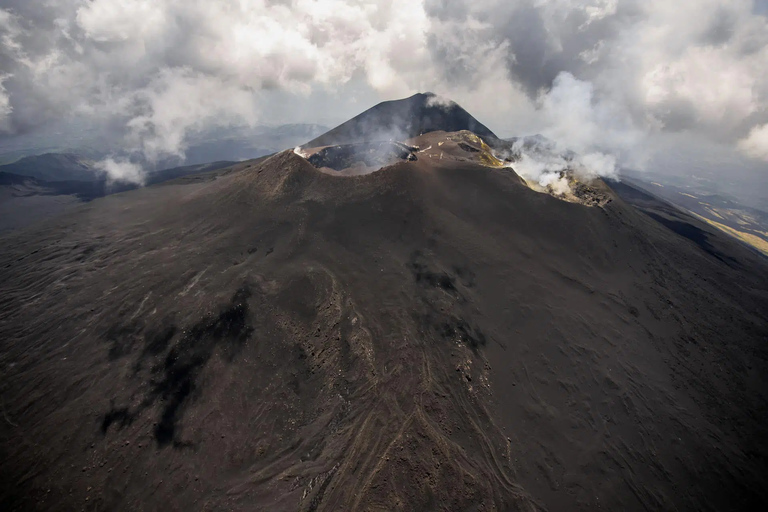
[434,335]
[403,119]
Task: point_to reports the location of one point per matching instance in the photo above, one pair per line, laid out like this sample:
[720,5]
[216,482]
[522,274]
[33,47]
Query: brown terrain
[435,335]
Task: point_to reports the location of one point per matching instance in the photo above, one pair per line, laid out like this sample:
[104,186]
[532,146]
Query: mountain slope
[403,119]
[750,225]
[25,200]
[432,336]
[55,167]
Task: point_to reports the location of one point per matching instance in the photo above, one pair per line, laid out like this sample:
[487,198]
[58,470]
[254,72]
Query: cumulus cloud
[601,75]
[653,65]
[5,107]
[162,69]
[105,21]
[756,143]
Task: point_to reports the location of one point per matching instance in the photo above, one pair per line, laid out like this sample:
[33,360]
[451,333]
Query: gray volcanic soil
[25,200]
[433,336]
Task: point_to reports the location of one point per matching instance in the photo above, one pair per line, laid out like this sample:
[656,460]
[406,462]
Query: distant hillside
[25,200]
[245,143]
[33,153]
[747,224]
[7,178]
[55,167]
[403,119]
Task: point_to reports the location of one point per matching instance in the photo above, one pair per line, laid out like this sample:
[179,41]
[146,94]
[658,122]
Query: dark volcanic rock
[369,154]
[403,119]
[7,178]
[433,336]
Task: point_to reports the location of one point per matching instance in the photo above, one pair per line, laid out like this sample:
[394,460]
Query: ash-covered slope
[433,336]
[25,199]
[403,119]
[55,167]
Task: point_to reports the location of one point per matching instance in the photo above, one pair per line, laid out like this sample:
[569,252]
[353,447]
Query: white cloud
[600,9]
[167,68]
[5,107]
[110,21]
[600,74]
[718,88]
[756,143]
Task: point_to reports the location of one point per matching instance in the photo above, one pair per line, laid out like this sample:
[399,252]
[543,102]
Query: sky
[620,77]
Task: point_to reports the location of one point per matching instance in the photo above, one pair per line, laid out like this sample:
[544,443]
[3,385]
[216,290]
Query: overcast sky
[608,75]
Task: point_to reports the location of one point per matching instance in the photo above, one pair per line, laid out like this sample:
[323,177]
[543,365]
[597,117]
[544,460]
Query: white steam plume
[545,165]
[121,170]
[599,131]
[585,136]
[435,100]
[179,101]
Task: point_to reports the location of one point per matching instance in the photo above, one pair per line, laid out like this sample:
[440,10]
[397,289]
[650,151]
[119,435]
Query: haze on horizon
[666,87]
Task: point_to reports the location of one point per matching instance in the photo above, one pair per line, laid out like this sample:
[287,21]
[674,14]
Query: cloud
[109,21]
[659,66]
[5,107]
[163,69]
[160,70]
[756,143]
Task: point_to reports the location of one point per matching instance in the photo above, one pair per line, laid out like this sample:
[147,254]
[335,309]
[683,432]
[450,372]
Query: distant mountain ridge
[87,190]
[27,199]
[246,143]
[55,167]
[403,119]
[83,146]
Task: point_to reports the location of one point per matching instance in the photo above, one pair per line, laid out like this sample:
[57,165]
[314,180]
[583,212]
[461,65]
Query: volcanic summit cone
[403,119]
[432,336]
